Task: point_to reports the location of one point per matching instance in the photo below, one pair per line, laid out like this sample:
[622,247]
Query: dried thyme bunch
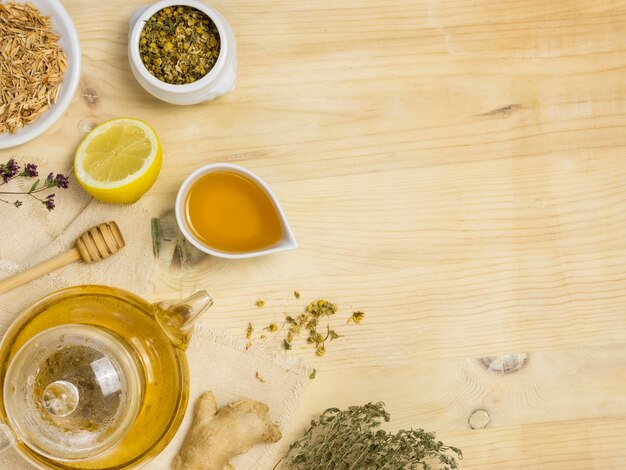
[179,45]
[350,439]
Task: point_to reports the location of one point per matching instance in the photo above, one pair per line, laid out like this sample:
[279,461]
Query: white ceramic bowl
[288,241]
[220,79]
[62,24]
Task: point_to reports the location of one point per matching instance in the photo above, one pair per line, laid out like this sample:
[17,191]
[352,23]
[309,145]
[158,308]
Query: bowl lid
[72,392]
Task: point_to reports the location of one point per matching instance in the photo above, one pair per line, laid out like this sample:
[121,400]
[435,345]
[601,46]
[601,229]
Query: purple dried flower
[31,170]
[9,170]
[62,181]
[13,167]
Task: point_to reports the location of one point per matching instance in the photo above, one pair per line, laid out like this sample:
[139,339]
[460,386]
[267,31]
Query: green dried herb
[179,44]
[296,294]
[321,308]
[310,321]
[350,439]
[313,374]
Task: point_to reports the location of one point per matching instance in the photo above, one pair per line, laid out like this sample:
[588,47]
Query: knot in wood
[479,419]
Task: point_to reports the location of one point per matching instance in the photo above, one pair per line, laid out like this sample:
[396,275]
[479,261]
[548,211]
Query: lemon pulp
[119,160]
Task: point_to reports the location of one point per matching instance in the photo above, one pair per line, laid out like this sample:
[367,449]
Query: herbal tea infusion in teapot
[106,377]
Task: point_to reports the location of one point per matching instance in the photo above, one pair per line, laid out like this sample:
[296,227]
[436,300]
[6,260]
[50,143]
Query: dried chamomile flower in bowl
[182,51]
[39,68]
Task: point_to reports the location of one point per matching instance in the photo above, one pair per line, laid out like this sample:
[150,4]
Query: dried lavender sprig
[11,170]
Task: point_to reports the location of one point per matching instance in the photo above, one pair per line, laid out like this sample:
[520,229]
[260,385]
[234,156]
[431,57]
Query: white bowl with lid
[64,27]
[217,82]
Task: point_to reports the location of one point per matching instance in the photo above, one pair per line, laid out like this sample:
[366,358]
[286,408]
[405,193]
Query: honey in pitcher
[231,213]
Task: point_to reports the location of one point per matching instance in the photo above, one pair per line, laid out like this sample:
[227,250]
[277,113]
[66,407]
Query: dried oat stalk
[32,65]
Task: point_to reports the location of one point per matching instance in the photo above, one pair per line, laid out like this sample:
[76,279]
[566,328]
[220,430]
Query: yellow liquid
[231,213]
[165,379]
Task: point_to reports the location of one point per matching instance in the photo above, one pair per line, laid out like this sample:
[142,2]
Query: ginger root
[217,436]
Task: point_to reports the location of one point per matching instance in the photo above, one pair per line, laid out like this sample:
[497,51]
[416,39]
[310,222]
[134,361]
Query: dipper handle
[94,245]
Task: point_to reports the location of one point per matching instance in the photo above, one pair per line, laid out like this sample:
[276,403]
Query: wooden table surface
[453,169]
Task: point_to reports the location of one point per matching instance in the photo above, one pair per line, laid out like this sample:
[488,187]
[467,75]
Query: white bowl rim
[133,45]
[58,109]
[288,241]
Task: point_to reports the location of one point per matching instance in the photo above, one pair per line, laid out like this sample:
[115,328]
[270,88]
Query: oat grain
[32,65]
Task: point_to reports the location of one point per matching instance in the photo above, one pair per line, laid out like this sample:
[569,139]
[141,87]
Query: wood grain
[454,169]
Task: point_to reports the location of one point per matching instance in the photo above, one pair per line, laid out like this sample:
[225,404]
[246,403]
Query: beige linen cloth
[217,361]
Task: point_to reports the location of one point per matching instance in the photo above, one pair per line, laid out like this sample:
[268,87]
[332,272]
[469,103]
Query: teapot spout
[178,319]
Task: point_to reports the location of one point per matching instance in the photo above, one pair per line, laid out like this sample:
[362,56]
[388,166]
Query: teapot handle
[7,439]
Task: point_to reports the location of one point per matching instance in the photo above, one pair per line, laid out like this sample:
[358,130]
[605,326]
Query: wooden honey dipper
[94,245]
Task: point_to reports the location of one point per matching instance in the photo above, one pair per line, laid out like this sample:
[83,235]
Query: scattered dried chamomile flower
[321,308]
[249,331]
[260,303]
[309,321]
[357,317]
[314,322]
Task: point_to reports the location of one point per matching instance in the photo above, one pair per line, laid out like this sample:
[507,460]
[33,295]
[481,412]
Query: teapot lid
[72,392]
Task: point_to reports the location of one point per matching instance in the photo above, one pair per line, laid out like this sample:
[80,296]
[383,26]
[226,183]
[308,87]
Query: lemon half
[119,160]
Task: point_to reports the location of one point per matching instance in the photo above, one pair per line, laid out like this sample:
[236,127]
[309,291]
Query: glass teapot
[95,377]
